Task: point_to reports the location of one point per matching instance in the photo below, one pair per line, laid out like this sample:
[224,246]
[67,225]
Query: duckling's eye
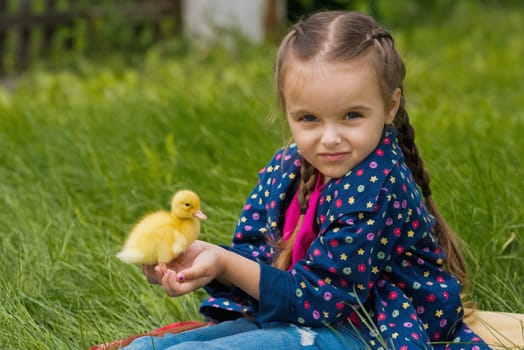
[187,204]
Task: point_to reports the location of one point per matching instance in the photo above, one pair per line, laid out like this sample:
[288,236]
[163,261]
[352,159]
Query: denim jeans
[246,335]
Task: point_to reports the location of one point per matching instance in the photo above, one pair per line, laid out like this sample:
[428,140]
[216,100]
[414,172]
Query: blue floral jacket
[374,268]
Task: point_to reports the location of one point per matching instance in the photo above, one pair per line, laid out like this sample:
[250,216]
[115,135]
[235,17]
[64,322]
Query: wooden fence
[31,28]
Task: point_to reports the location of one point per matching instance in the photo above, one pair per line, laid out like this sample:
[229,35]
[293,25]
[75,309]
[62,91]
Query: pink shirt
[308,230]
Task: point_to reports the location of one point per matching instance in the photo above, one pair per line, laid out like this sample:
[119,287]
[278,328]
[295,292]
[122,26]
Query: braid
[406,138]
[456,263]
[308,178]
[378,34]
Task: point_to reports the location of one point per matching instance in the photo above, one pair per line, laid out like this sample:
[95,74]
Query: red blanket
[171,328]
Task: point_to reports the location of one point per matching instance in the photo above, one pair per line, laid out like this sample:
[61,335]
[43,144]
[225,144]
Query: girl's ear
[394,105]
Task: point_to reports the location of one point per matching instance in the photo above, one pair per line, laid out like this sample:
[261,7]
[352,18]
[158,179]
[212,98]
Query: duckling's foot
[163,267]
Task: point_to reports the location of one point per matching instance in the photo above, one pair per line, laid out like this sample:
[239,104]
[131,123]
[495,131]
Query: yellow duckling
[161,236]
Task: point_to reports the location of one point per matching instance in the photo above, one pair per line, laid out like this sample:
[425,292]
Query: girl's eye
[352,115]
[308,118]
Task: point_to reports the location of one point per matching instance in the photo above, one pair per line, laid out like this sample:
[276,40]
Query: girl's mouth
[333,157]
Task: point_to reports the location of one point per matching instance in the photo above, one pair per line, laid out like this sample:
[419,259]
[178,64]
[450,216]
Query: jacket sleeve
[258,221]
[254,226]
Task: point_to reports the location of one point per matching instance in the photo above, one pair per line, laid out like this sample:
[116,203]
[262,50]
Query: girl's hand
[196,267]
[202,262]
[154,273]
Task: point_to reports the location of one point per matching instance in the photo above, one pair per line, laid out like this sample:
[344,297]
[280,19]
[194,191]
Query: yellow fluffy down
[161,236]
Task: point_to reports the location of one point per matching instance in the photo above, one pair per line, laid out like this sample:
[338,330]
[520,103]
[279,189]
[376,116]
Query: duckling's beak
[199,214]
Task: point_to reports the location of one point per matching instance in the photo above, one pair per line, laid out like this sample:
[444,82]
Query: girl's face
[336,112]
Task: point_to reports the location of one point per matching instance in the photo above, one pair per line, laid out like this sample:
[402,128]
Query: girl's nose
[330,136]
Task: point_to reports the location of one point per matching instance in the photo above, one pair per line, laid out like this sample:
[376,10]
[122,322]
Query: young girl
[340,245]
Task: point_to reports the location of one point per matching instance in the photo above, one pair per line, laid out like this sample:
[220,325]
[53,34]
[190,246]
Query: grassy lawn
[87,150]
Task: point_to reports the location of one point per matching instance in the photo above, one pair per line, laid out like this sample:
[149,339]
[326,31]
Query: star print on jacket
[375,267]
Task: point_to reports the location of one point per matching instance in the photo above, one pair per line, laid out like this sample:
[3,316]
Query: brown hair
[338,36]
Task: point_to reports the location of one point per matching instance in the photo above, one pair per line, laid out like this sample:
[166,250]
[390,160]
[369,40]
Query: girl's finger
[150,274]
[191,274]
[170,283]
[159,272]
[174,286]
[190,286]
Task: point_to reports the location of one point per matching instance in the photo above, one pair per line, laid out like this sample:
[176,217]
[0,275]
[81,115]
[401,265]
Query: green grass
[88,149]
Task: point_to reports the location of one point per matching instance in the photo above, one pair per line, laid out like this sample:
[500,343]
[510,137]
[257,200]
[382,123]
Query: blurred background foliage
[395,13]
[118,34]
